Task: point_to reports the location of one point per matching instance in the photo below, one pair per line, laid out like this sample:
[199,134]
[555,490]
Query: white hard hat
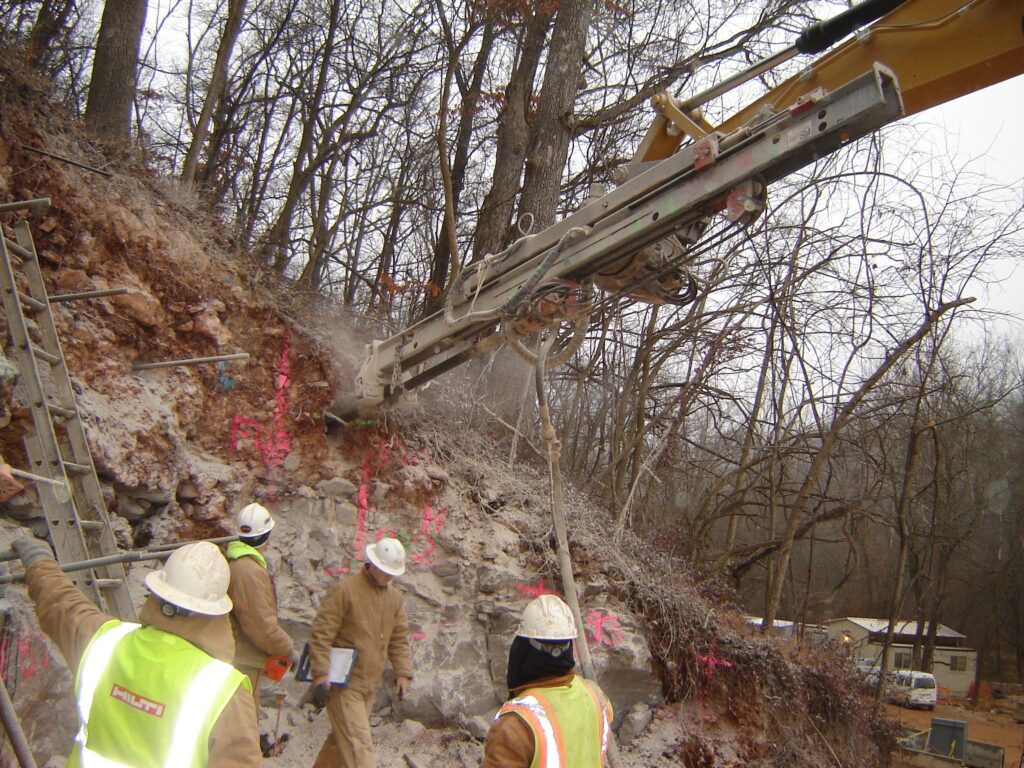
[547,618]
[388,555]
[196,578]
[253,520]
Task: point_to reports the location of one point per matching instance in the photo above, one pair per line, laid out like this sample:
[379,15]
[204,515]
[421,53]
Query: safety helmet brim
[375,558]
[157,584]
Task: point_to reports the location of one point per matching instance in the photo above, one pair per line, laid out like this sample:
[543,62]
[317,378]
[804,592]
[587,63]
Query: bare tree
[115,69]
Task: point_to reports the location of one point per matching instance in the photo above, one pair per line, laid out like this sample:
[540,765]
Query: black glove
[32,550]
[321,694]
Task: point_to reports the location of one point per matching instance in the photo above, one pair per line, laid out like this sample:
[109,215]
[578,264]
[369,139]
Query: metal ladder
[66,477]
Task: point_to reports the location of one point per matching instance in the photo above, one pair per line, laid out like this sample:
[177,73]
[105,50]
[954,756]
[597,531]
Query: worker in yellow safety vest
[258,635]
[161,693]
[553,718]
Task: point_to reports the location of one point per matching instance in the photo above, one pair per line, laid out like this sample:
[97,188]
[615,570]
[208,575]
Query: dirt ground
[993,726]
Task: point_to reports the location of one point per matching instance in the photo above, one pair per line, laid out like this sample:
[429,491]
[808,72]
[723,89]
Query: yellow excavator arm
[937,49]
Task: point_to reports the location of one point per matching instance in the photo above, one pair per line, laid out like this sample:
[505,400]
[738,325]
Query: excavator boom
[635,239]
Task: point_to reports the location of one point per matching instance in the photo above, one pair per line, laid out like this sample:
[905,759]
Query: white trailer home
[863,639]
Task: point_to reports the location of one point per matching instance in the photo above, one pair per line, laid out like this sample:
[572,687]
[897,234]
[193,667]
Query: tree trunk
[275,244]
[443,255]
[108,112]
[553,128]
[232,27]
[511,142]
[51,21]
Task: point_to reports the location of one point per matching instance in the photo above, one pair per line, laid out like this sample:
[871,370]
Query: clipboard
[341,662]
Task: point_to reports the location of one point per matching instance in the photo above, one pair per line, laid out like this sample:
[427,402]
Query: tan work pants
[350,744]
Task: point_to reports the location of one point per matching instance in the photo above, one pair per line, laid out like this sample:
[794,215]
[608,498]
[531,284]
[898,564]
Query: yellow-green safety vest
[571,724]
[237,549]
[148,699]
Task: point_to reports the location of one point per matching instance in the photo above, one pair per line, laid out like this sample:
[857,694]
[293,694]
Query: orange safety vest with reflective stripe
[571,724]
[148,699]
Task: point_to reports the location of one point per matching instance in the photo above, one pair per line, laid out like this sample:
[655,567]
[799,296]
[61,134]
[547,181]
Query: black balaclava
[255,541]
[527,663]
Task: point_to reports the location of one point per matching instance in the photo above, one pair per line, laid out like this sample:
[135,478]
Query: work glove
[321,695]
[31,550]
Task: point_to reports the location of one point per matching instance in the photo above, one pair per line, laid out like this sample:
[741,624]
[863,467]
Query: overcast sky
[987,129]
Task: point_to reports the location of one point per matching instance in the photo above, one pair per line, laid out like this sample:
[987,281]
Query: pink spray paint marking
[32,656]
[535,590]
[335,570]
[709,664]
[278,446]
[418,635]
[604,628]
[431,522]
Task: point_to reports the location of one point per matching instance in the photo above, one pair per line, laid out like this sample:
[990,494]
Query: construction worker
[362,612]
[553,717]
[159,693]
[254,615]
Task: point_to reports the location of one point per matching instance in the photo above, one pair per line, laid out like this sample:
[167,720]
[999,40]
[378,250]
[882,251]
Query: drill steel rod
[36,478]
[89,294]
[190,361]
[69,161]
[24,205]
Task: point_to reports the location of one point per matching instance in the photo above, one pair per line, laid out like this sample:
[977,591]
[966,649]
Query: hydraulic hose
[824,34]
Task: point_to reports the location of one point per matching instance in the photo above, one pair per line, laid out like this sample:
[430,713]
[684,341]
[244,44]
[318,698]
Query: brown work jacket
[358,613]
[254,615]
[70,619]
[509,742]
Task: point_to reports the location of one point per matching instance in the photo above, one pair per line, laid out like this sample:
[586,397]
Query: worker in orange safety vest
[553,718]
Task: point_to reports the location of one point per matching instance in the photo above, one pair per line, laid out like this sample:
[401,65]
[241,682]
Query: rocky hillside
[179,450]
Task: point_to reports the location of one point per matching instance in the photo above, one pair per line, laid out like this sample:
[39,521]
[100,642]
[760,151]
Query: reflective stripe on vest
[546,732]
[560,715]
[91,668]
[200,696]
[602,707]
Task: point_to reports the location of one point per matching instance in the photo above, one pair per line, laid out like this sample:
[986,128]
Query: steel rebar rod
[190,361]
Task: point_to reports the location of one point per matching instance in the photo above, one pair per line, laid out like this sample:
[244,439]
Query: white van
[914,689]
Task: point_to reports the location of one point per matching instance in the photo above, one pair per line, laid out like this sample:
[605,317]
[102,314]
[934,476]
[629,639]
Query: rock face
[464,590]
